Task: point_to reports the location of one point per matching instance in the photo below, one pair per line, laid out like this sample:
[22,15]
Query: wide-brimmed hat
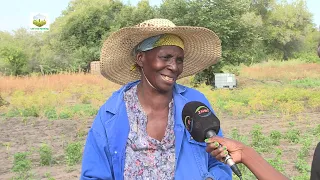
[202,48]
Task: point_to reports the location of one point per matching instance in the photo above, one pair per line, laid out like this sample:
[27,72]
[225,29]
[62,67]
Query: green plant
[316,131]
[48,176]
[236,136]
[259,141]
[293,135]
[306,83]
[73,153]
[45,152]
[275,137]
[302,176]
[277,162]
[302,166]
[21,165]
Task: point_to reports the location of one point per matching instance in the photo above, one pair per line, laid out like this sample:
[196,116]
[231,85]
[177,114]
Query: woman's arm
[95,162]
[244,154]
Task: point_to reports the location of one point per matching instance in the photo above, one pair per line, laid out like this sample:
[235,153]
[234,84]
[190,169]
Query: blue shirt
[104,152]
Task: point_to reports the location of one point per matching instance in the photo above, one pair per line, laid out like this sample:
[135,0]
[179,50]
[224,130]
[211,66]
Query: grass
[282,71]
[54,97]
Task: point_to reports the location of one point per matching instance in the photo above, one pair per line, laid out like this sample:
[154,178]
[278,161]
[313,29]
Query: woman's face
[162,66]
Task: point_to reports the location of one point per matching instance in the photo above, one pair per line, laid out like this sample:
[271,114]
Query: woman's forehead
[170,49]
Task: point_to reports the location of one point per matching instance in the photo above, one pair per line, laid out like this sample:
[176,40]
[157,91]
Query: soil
[27,134]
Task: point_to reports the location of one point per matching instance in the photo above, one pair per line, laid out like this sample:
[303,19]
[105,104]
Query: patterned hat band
[159,40]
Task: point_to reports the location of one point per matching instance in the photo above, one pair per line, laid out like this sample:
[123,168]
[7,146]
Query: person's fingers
[212,146]
[216,139]
[218,151]
[222,155]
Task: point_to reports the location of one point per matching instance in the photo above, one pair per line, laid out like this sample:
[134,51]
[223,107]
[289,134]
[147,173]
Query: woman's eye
[166,57]
[179,60]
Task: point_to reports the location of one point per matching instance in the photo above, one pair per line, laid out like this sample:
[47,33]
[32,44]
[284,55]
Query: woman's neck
[152,98]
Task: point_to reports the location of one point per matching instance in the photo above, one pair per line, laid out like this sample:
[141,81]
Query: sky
[16,13]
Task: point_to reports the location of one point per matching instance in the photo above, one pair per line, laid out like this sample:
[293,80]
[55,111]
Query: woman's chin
[165,87]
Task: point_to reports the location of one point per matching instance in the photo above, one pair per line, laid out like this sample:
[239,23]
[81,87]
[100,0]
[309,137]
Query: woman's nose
[173,66]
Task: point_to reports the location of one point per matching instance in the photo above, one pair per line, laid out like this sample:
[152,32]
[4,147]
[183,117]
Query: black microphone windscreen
[199,119]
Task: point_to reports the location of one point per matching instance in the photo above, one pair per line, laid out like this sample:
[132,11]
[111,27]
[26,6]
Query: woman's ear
[139,59]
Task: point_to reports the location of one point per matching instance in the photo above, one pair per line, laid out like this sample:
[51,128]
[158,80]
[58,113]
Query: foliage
[45,152]
[287,26]
[73,153]
[21,162]
[14,60]
[22,165]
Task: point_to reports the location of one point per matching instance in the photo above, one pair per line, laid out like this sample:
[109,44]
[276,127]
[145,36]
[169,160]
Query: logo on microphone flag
[203,111]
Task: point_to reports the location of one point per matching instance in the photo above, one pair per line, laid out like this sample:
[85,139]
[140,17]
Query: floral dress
[147,158]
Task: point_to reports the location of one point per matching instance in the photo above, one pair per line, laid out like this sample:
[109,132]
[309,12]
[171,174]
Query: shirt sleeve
[95,161]
[218,169]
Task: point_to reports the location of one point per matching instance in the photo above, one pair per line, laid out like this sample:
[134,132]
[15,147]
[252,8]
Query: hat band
[159,40]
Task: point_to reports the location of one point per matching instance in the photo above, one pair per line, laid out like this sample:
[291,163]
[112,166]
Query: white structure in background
[225,80]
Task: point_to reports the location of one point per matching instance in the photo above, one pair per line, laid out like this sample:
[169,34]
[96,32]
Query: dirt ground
[18,135]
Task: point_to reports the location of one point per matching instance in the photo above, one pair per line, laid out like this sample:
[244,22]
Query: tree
[231,20]
[262,7]
[77,35]
[14,58]
[287,26]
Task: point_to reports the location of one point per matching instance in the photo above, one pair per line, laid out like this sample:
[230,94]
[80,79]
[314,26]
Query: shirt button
[115,152]
[209,178]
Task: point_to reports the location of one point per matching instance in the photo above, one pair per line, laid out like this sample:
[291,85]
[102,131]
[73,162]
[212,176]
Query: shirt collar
[117,97]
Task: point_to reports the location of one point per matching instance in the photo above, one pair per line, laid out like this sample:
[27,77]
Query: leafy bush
[73,153]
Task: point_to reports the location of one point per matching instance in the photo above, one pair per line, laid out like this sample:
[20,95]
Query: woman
[138,133]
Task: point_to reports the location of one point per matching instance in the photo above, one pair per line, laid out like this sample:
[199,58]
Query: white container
[225,80]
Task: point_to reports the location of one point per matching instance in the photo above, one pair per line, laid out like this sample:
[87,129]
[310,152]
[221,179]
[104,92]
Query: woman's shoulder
[186,89]
[190,93]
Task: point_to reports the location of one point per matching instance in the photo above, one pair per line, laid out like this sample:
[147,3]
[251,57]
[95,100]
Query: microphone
[201,123]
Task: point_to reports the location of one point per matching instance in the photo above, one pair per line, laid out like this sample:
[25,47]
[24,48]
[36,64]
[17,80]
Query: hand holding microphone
[218,147]
[203,124]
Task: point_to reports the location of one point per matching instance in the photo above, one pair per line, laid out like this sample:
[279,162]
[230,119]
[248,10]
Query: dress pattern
[147,158]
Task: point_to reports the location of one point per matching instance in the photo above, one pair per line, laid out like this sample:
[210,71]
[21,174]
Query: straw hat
[202,48]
